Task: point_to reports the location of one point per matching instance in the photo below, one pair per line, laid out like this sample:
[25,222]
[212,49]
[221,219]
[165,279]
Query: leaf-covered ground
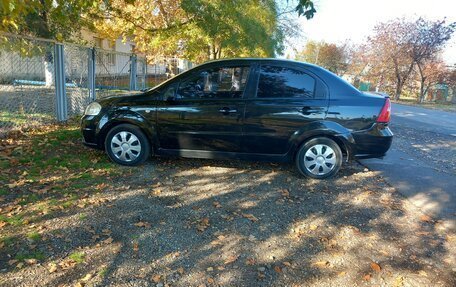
[70,217]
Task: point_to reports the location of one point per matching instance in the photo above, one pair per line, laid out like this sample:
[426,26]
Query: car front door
[288,99]
[205,112]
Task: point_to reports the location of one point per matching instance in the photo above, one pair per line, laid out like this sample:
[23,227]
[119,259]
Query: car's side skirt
[223,155]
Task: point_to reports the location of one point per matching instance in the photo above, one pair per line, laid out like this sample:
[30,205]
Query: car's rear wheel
[127,145]
[319,158]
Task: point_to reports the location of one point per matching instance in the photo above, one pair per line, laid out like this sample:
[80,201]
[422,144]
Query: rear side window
[216,83]
[281,82]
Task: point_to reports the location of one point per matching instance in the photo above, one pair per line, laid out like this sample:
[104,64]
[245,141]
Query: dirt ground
[187,222]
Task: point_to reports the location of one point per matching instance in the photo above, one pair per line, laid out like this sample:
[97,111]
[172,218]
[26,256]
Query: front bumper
[89,132]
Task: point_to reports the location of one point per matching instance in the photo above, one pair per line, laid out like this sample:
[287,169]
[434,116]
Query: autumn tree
[389,51]
[427,41]
[201,29]
[328,55]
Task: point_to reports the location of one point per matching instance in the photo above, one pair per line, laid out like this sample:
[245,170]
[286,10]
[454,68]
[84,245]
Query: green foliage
[330,56]
[35,236]
[21,256]
[197,29]
[57,19]
[77,257]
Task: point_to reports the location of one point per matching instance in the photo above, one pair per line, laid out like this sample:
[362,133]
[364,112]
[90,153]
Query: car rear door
[206,111]
[287,100]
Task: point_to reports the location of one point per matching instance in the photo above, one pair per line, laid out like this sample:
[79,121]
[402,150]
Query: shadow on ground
[185,222]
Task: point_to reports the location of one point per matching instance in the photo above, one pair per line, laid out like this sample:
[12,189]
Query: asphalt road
[421,163]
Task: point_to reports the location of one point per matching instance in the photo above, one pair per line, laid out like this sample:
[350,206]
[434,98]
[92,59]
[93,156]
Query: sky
[339,20]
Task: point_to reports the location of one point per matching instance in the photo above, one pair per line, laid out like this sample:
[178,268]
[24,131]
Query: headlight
[92,109]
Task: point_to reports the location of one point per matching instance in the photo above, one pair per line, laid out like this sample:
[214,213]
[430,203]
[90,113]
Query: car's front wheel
[319,158]
[127,145]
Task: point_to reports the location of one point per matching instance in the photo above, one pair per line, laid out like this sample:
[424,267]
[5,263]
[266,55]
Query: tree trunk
[399,86]
[49,69]
[422,92]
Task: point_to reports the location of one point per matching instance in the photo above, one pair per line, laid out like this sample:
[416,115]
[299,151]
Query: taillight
[385,114]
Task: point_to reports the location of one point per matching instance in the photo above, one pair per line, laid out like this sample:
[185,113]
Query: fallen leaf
[31,261]
[278,269]
[321,263]
[341,273]
[250,261]
[285,192]
[180,270]
[249,216]
[313,227]
[142,224]
[87,277]
[52,267]
[202,224]
[286,263]
[367,277]
[216,204]
[426,218]
[135,247]
[210,280]
[399,281]
[375,267]
[156,278]
[422,273]
[108,241]
[231,259]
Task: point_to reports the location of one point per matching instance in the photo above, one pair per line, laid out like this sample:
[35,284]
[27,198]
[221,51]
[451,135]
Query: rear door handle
[227,111]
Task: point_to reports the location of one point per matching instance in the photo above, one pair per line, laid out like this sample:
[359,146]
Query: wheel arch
[331,130]
[137,121]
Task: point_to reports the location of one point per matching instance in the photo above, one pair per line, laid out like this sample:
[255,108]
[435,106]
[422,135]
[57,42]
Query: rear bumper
[372,143]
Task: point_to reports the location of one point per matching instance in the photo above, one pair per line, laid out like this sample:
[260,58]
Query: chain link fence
[27,88]
[42,81]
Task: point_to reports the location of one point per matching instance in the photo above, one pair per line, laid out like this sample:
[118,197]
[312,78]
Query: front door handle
[227,111]
[309,110]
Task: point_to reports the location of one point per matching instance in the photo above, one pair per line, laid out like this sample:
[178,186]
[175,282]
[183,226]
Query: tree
[390,52]
[57,19]
[330,56]
[427,40]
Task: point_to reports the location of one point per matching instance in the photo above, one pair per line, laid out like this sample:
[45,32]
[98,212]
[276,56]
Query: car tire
[126,144]
[319,158]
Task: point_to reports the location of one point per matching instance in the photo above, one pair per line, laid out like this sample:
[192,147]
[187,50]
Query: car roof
[260,59]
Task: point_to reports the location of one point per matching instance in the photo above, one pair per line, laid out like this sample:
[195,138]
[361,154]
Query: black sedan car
[256,109]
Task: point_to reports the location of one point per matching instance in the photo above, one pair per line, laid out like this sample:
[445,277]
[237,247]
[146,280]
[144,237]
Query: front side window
[281,82]
[216,83]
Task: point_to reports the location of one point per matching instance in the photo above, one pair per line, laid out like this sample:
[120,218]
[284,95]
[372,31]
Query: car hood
[113,99]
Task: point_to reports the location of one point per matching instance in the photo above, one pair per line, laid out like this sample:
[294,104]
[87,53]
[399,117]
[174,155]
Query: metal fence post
[91,74]
[133,71]
[61,106]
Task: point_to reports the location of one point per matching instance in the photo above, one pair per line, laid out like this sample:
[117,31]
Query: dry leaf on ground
[375,267]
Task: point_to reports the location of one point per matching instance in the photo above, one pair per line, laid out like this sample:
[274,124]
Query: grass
[21,256]
[448,107]
[7,240]
[15,220]
[25,118]
[103,272]
[35,236]
[77,257]
[45,173]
